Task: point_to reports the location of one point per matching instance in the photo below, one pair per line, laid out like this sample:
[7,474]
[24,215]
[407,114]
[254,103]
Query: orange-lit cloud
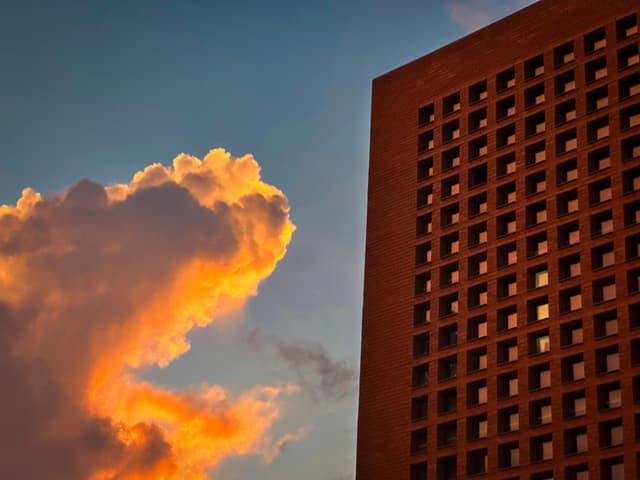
[97,282]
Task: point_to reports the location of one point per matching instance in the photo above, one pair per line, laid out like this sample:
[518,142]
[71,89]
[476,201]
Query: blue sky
[99,89]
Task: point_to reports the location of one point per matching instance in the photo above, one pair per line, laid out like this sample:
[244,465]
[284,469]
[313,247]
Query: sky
[101,89]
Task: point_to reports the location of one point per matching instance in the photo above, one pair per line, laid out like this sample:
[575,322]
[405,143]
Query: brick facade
[534,119]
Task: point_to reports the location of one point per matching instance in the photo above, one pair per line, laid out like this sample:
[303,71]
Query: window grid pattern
[552,188]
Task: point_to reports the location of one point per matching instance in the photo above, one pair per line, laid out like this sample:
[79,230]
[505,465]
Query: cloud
[471,15]
[314,368]
[99,281]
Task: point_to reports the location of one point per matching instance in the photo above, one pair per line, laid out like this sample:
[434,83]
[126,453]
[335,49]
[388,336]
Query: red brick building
[501,323]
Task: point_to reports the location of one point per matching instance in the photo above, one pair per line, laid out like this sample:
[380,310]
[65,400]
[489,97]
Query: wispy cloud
[471,15]
[315,369]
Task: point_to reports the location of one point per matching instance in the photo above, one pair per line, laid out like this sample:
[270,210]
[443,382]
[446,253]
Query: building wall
[385,425]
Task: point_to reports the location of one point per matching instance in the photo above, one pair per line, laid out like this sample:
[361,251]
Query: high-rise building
[501,322]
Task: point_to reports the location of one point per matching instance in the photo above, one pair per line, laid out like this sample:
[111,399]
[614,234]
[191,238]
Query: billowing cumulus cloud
[99,281]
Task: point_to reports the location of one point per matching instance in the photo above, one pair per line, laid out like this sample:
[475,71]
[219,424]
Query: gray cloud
[472,15]
[333,379]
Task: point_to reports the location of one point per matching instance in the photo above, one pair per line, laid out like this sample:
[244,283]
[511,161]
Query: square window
[447,401]
[539,342]
[609,396]
[506,136]
[421,375]
[477,393]
[534,96]
[478,205]
[506,224]
[508,420]
[421,313]
[477,427]
[447,434]
[508,350]
[477,120]
[612,468]
[426,114]
[568,234]
[450,158]
[626,27]
[449,245]
[507,286]
[418,471]
[565,112]
[451,131]
[448,336]
[631,148]
[565,83]
[507,385]
[566,141]
[424,225]
[599,160]
[629,86]
[425,169]
[506,79]
[478,147]
[563,54]
[569,266]
[477,327]
[535,183]
[539,377]
[540,412]
[536,213]
[477,265]
[535,153]
[447,468]
[477,359]
[451,104]
[508,455]
[507,318]
[450,186]
[596,70]
[573,368]
[604,290]
[421,345]
[630,117]
[425,141]
[478,92]
[575,441]
[566,172]
[534,67]
[607,359]
[537,245]
[419,441]
[570,300]
[611,433]
[541,449]
[571,333]
[449,305]
[447,368]
[598,129]
[574,404]
[628,56]
[595,40]
[597,99]
[506,164]
[477,461]
[419,407]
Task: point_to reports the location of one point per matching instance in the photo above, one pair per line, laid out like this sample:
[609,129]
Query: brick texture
[385,423]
